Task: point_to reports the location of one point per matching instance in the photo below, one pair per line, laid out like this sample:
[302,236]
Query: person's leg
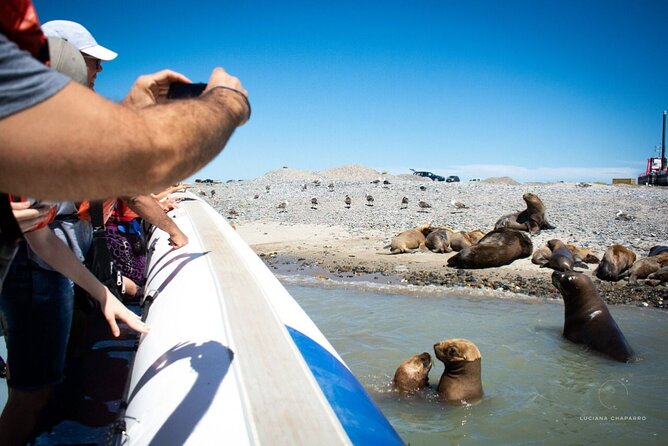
[37,305]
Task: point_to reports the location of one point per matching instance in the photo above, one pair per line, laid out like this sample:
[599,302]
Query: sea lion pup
[410,240]
[582,254]
[561,258]
[413,374]
[642,268]
[498,247]
[461,380]
[541,256]
[587,319]
[438,241]
[616,260]
[532,219]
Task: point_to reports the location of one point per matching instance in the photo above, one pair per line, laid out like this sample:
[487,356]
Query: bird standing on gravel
[369,200]
[304,186]
[256,196]
[404,203]
[331,187]
[348,201]
[267,188]
[424,205]
[213,192]
[423,187]
[458,204]
[233,213]
[314,203]
[282,205]
[623,216]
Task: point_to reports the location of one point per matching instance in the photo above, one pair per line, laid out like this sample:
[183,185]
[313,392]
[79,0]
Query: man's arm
[77,145]
[150,210]
[54,252]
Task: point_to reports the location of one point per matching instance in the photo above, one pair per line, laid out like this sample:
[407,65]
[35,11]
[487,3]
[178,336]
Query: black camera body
[181,90]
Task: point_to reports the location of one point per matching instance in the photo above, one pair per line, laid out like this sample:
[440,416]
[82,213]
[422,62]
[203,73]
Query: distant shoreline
[344,242]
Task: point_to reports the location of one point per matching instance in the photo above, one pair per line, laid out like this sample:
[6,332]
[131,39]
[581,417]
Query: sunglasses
[98,62]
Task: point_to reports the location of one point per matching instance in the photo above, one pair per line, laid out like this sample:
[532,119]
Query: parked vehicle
[452,179]
[431,175]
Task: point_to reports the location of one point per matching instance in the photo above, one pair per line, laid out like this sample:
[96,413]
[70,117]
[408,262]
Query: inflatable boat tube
[231,358]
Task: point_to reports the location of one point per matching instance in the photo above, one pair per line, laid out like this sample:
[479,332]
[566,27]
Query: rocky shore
[329,240]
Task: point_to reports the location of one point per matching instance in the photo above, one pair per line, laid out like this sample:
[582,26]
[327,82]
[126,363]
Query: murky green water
[538,387]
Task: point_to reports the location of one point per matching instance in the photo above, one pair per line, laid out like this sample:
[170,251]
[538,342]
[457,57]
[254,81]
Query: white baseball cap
[78,36]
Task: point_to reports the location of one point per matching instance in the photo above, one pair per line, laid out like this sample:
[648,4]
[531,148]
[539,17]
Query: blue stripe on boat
[362,420]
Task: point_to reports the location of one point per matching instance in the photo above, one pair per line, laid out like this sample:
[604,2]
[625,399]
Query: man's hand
[220,78]
[151,89]
[29,218]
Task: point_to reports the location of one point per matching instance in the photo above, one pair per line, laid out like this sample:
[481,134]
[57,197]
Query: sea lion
[616,260]
[413,374]
[654,250]
[461,379]
[438,241]
[498,247]
[561,258]
[532,219]
[642,268]
[541,256]
[410,240]
[475,236]
[582,254]
[661,275]
[587,319]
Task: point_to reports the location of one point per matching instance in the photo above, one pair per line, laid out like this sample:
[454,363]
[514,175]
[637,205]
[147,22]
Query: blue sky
[561,90]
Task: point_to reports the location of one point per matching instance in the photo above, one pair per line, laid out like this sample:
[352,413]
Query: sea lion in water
[438,241]
[461,380]
[561,258]
[413,374]
[410,240]
[587,319]
[532,219]
[498,247]
[616,260]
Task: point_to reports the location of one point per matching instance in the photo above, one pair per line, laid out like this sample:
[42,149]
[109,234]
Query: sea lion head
[457,350]
[554,244]
[532,200]
[569,283]
[413,373]
[425,229]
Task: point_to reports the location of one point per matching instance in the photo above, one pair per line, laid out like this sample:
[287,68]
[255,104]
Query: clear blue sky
[560,90]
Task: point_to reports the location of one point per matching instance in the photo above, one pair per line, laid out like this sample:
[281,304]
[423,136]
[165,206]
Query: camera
[181,90]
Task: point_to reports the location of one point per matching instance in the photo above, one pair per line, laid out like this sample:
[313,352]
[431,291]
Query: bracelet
[245,98]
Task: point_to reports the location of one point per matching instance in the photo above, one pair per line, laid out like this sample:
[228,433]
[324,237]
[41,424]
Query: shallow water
[538,387]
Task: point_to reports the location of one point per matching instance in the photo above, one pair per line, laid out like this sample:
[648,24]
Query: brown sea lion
[561,258]
[438,241]
[498,247]
[475,236]
[410,240]
[459,240]
[642,268]
[616,260]
[461,380]
[532,219]
[661,275]
[541,256]
[582,254]
[413,374]
[587,319]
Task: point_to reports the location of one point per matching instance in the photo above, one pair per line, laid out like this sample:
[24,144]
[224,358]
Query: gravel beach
[331,241]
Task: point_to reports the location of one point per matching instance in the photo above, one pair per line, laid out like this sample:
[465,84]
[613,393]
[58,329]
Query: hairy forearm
[77,145]
[54,252]
[150,210]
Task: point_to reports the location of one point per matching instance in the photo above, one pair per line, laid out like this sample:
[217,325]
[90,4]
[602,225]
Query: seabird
[213,192]
[282,205]
[369,200]
[314,202]
[267,188]
[423,187]
[331,187]
[623,216]
[348,201]
[424,204]
[404,202]
[256,196]
[458,204]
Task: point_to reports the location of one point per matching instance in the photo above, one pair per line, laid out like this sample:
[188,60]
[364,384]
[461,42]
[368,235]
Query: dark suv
[433,176]
[452,179]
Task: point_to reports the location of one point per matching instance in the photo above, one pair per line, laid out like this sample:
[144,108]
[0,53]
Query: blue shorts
[37,308]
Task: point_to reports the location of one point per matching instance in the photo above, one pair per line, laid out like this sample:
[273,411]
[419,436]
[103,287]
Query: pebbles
[583,216]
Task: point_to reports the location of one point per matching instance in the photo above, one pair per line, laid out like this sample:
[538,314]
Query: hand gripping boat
[231,358]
